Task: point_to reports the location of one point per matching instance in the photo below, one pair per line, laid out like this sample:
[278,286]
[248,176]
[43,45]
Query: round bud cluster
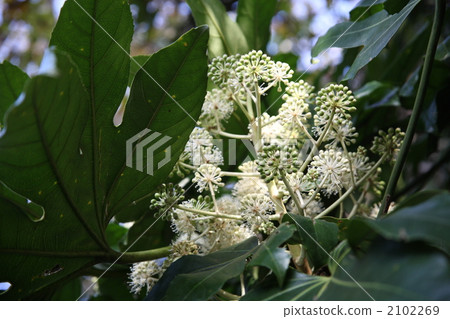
[275,160]
[336,96]
[167,196]
[388,143]
[253,66]
[184,248]
[222,69]
[300,90]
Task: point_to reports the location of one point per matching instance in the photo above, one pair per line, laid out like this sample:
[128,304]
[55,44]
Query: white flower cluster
[305,152]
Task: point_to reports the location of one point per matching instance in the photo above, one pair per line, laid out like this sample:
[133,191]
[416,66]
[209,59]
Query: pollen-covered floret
[206,176]
[145,274]
[331,168]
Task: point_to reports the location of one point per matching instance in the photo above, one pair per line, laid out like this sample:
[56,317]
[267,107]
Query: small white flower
[331,168]
[257,205]
[217,105]
[145,274]
[208,174]
[278,72]
[250,185]
[200,149]
[229,205]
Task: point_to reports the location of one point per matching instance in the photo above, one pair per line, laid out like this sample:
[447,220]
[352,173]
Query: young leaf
[254,20]
[200,277]
[373,33]
[225,35]
[269,255]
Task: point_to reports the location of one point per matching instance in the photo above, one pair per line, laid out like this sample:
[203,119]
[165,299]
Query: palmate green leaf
[373,33]
[47,126]
[318,236]
[427,221]
[254,20]
[74,166]
[269,255]
[225,35]
[12,81]
[200,277]
[389,271]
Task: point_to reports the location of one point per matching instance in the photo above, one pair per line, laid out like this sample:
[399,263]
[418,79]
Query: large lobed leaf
[61,152]
[373,33]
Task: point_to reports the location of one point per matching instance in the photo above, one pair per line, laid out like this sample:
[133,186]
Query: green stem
[187,166]
[206,213]
[138,256]
[227,295]
[231,135]
[418,103]
[318,143]
[292,193]
[238,174]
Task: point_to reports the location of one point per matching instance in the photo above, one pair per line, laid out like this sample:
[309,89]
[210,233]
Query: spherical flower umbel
[222,69]
[253,66]
[388,143]
[166,197]
[201,150]
[217,105]
[145,274]
[336,96]
[331,168]
[208,174]
[278,72]
[256,205]
[298,91]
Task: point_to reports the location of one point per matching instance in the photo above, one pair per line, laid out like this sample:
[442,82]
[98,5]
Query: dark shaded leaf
[318,236]
[200,277]
[391,271]
[425,221]
[298,286]
[47,126]
[269,255]
[12,81]
[166,97]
